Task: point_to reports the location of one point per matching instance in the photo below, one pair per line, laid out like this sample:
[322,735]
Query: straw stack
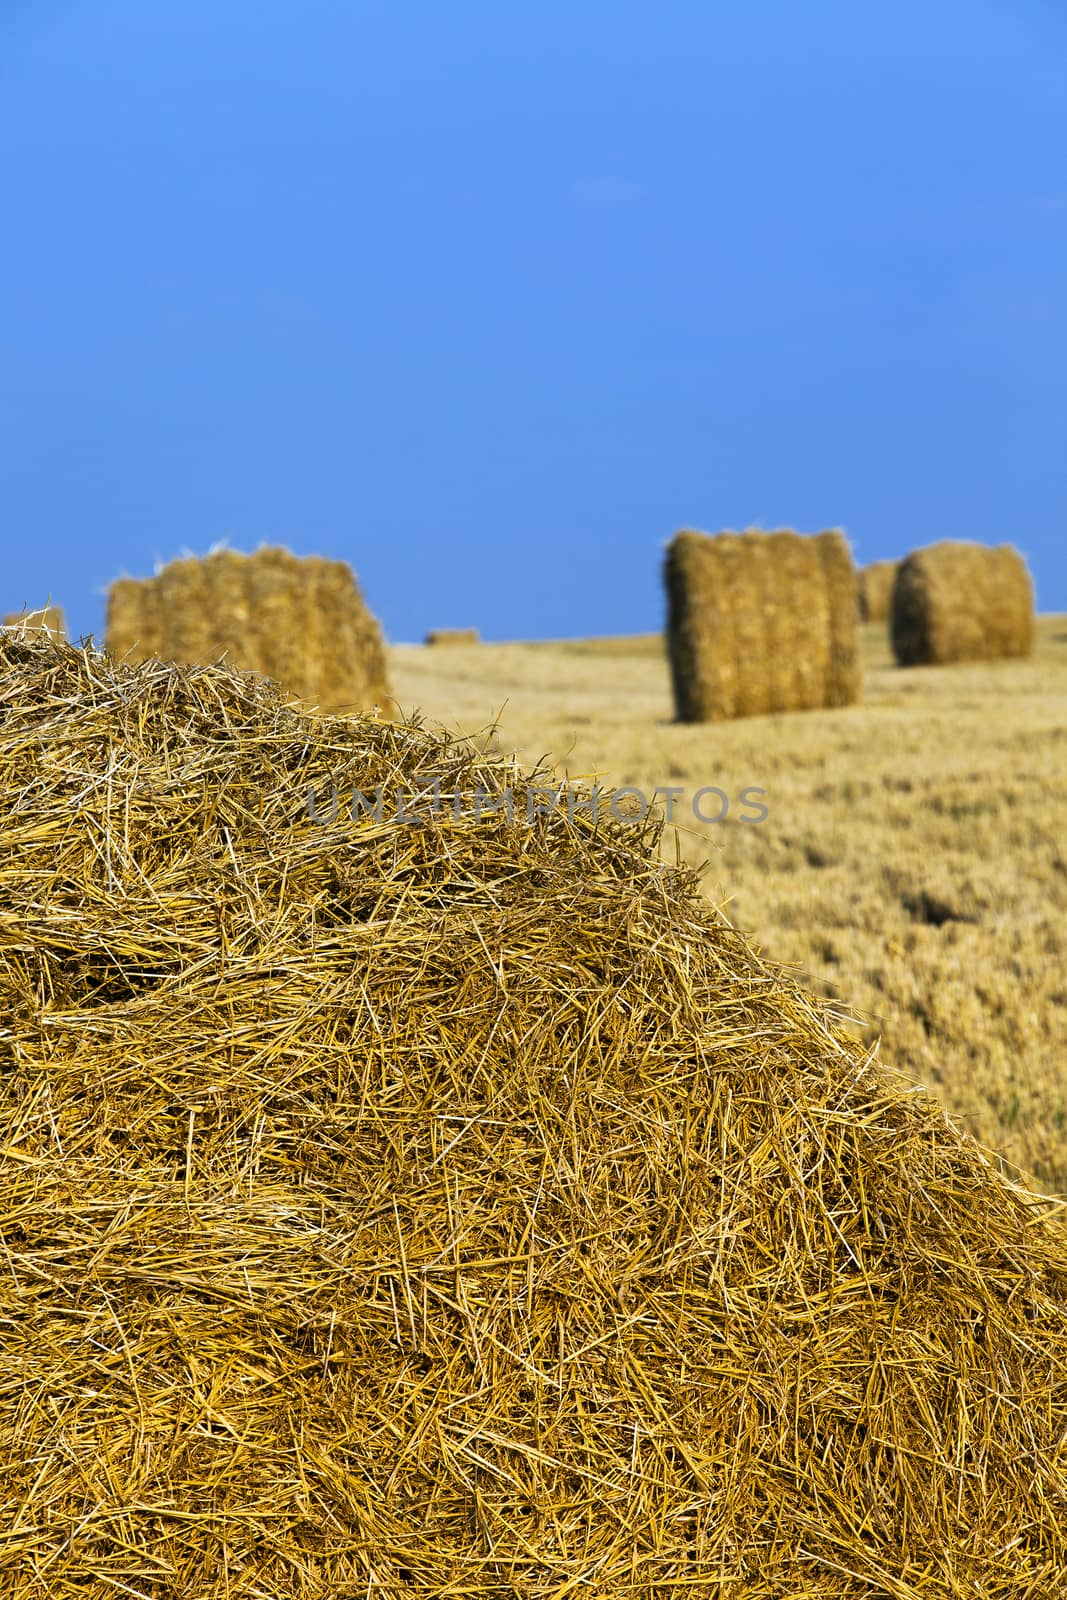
[876,590]
[957,601]
[453,636]
[760,622]
[47,620]
[299,620]
[460,1208]
[134,628]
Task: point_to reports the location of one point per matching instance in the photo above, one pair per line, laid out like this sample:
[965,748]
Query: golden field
[914,857]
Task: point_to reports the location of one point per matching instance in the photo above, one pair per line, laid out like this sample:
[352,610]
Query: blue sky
[490,298]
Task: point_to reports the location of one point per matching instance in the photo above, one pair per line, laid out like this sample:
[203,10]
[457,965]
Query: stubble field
[913,861]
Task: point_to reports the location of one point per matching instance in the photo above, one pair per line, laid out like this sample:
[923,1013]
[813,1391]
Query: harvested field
[297,619]
[913,861]
[961,602]
[760,622]
[463,1208]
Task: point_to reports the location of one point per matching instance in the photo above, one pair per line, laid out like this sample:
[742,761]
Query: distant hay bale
[876,590]
[46,621]
[300,620]
[133,630]
[453,636]
[760,622]
[957,601]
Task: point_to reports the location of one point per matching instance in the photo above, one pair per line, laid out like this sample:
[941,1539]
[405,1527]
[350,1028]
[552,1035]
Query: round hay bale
[46,622]
[957,601]
[760,622]
[299,620]
[453,636]
[843,669]
[460,1207]
[876,590]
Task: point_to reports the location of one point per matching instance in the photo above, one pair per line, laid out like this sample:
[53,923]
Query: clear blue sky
[489,298]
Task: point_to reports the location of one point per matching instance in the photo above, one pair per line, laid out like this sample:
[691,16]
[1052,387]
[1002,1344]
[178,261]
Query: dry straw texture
[760,622]
[299,620]
[909,861]
[452,636]
[962,602]
[46,620]
[876,590]
[459,1208]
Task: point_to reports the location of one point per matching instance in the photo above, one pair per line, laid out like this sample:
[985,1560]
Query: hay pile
[760,622]
[46,621]
[453,636]
[876,590]
[956,601]
[458,1208]
[299,620]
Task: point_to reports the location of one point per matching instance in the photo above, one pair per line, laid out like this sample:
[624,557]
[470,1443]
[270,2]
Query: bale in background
[760,622]
[133,631]
[299,620]
[45,621]
[453,636]
[876,590]
[957,601]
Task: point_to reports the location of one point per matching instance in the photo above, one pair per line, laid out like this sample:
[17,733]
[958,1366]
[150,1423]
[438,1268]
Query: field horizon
[912,864]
